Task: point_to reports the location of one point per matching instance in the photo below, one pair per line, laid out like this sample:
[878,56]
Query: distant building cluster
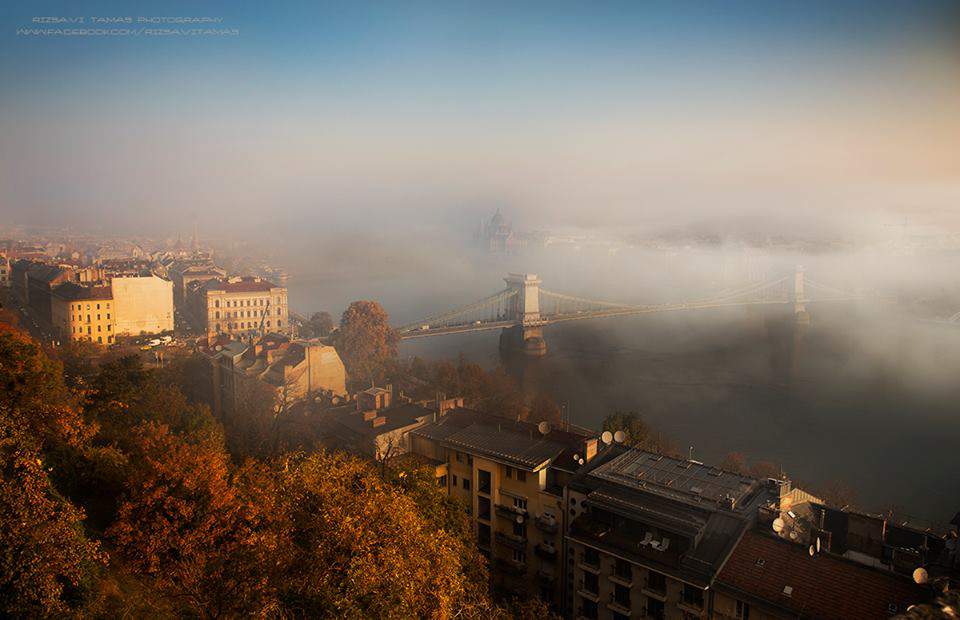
[100,291]
[600,530]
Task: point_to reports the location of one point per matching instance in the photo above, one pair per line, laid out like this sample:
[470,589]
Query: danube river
[860,396]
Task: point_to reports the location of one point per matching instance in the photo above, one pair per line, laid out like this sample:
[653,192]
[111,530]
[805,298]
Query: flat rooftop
[677,479]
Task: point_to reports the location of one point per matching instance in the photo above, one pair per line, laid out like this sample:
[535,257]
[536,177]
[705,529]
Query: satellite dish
[580,461]
[543,427]
[606,437]
[921,576]
[778,525]
[812,551]
[619,436]
[793,535]
[519,518]
[818,544]
[576,457]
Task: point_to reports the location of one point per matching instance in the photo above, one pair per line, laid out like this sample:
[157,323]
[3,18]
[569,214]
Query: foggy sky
[582,114]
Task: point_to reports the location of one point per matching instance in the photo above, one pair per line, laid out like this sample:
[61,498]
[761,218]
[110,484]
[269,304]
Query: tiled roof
[822,586]
[74,292]
[245,285]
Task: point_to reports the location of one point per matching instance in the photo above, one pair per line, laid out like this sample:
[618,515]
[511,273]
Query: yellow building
[84,313]
[242,306]
[144,304]
[511,476]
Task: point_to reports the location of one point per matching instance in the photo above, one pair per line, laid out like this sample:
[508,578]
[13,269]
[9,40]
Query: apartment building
[144,304]
[510,475]
[84,313]
[241,307]
[649,533]
[293,369]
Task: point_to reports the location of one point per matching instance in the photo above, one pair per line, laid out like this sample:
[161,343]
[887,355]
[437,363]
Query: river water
[859,395]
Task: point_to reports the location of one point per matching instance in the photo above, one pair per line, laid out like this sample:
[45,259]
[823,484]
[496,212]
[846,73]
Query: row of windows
[78,329]
[238,303]
[79,307]
[79,317]
[252,325]
[240,314]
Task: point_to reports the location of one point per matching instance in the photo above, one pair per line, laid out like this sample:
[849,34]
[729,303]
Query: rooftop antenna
[691,453]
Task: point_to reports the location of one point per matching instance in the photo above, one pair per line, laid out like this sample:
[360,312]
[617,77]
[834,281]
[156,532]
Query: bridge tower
[527,335]
[799,297]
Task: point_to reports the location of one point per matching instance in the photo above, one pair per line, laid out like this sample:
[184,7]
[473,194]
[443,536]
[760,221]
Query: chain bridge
[524,308]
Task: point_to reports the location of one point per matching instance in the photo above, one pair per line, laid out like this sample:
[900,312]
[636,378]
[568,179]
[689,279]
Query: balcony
[509,540]
[511,512]
[624,580]
[546,577]
[619,607]
[511,567]
[548,525]
[546,552]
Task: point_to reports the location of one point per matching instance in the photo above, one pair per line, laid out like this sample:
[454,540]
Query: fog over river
[863,395]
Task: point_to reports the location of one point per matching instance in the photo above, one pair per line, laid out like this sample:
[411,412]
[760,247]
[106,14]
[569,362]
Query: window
[278,311]
[218,326]
[100,339]
[483,534]
[519,503]
[520,529]
[216,304]
[278,322]
[469,456]
[109,338]
[108,316]
[521,475]
[98,306]
[589,609]
[483,508]
[268,323]
[654,609]
[459,457]
[621,595]
[657,581]
[483,481]
[98,328]
[442,482]
[618,616]
[591,583]
[623,570]
[519,556]
[98,317]
[454,481]
[509,472]
[692,595]
[466,484]
[108,328]
[743,611]
[216,314]
[591,557]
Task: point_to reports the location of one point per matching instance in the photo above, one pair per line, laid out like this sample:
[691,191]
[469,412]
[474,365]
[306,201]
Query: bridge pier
[523,340]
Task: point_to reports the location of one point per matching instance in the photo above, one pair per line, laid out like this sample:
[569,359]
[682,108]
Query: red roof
[823,586]
[245,285]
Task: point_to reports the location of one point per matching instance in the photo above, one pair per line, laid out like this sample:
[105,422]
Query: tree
[365,341]
[358,545]
[735,462]
[182,525]
[47,561]
[320,324]
[543,409]
[636,431]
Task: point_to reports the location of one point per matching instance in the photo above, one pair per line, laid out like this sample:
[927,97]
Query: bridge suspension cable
[495,307]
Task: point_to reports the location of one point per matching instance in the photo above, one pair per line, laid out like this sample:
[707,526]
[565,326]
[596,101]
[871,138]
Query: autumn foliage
[119,497]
